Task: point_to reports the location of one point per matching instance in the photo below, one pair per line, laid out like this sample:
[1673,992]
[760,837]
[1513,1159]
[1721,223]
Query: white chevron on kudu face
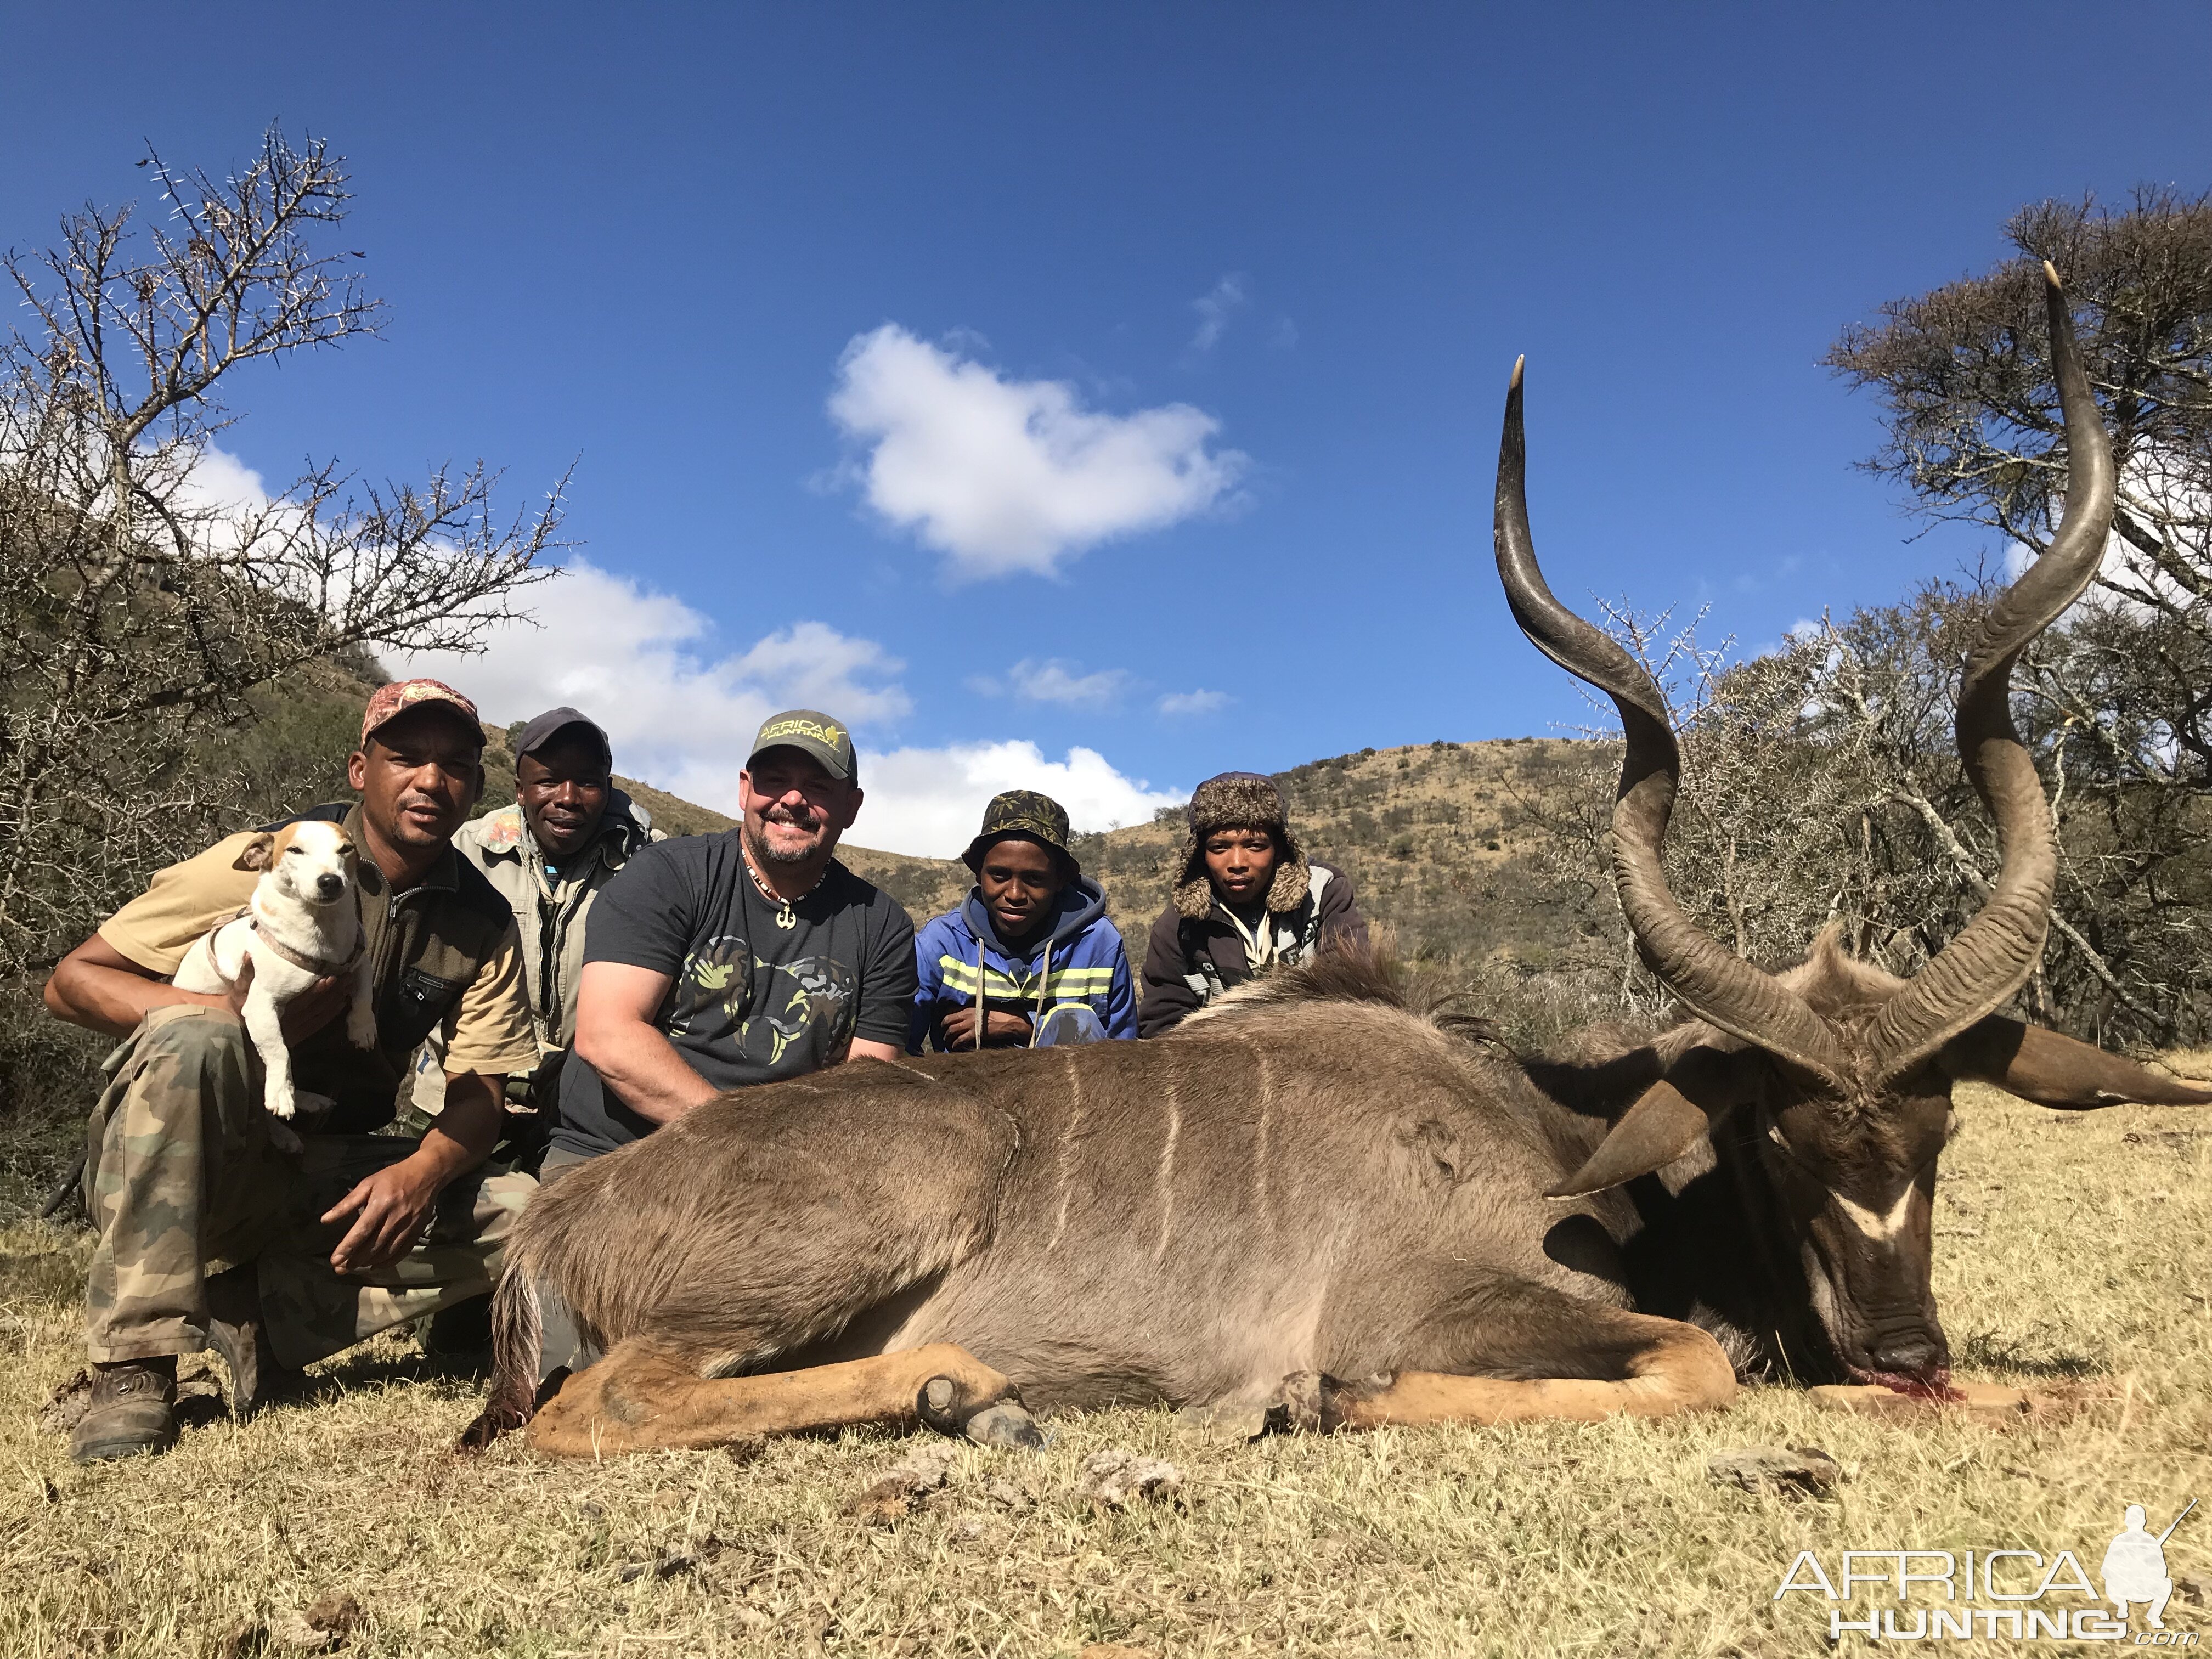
[1882,1229]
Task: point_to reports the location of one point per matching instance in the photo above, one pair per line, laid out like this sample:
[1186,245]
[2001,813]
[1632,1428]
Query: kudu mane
[1329,975]
[1844,990]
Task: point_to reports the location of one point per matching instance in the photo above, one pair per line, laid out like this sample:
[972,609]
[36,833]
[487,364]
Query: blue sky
[1168,343]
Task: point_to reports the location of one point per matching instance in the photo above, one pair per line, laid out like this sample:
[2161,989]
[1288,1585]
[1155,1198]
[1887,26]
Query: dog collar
[306,964]
[315,965]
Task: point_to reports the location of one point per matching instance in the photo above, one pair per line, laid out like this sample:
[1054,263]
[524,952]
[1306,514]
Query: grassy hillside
[1430,835]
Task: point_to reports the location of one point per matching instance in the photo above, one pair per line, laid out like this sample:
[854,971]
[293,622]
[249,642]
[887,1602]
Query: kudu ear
[2056,1071]
[254,855]
[1698,1091]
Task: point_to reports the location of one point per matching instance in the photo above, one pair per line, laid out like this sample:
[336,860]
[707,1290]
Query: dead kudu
[1309,1183]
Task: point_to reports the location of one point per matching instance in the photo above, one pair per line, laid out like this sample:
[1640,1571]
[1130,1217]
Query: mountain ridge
[1434,836]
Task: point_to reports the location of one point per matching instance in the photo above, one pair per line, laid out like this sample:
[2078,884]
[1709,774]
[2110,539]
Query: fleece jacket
[1087,966]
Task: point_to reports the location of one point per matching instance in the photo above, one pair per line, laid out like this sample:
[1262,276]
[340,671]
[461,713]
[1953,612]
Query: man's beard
[765,854]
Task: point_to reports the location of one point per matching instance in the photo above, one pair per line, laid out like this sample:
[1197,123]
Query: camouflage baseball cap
[388,702]
[812,732]
[1026,813]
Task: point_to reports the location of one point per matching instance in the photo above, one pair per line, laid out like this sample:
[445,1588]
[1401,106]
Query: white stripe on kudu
[1260,1206]
[1074,1073]
[1167,1165]
[1883,1229]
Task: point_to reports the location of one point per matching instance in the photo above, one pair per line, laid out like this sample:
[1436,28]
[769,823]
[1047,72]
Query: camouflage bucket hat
[1026,814]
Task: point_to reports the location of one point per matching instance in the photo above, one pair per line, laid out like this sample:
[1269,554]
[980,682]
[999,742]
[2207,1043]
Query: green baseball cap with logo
[812,732]
[1026,813]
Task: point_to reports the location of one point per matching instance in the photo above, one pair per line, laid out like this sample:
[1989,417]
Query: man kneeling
[210,1234]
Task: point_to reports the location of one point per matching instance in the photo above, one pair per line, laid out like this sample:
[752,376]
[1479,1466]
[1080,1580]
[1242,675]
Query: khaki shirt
[548,915]
[444,957]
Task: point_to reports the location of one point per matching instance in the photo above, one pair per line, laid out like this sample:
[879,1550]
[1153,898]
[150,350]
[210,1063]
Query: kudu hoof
[1007,1425]
[490,1424]
[1314,1402]
[943,1405]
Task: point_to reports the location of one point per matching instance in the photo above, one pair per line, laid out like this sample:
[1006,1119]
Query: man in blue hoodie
[1028,956]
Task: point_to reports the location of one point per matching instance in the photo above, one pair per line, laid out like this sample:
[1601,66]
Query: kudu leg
[1676,1368]
[642,1398]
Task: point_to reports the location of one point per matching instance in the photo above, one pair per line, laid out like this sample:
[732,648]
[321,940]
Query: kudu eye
[1790,1153]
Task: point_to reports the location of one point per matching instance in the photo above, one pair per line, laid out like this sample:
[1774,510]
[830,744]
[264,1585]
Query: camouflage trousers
[183,1179]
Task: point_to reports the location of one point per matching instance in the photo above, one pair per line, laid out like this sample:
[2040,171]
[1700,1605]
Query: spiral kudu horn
[1719,986]
[1998,949]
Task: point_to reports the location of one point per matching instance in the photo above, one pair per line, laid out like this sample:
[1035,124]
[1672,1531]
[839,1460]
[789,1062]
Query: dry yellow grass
[2070,1249]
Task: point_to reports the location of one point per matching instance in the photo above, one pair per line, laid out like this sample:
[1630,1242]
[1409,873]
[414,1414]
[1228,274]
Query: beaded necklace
[786,917]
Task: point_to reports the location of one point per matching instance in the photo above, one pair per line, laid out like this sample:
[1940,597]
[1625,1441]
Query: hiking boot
[133,1412]
[236,1331]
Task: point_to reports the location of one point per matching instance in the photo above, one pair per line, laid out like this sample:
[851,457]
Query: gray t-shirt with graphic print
[749,1001]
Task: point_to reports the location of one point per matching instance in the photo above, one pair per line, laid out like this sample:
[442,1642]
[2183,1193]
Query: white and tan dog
[303,925]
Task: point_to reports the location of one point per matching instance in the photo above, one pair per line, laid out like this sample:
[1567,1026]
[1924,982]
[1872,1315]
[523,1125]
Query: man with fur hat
[1247,900]
[1031,936]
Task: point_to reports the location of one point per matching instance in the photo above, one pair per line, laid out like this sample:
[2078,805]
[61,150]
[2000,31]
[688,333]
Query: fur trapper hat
[1239,800]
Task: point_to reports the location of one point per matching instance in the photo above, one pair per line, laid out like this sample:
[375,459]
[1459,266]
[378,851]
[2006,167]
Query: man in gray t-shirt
[715,962]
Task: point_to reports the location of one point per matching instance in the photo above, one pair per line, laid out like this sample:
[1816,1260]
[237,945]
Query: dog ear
[254,855]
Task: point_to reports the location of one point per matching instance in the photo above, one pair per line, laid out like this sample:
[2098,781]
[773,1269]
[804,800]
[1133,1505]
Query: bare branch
[143,623]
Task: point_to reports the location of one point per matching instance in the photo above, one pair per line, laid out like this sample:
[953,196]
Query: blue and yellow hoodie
[1079,960]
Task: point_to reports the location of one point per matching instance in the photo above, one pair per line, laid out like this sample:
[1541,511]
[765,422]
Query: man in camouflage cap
[210,1233]
[1032,937]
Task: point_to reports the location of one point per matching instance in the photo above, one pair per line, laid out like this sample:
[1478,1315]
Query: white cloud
[928,802]
[224,502]
[1055,681]
[1214,308]
[2172,496]
[681,719]
[220,482]
[812,665]
[632,659]
[1004,475]
[1199,701]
